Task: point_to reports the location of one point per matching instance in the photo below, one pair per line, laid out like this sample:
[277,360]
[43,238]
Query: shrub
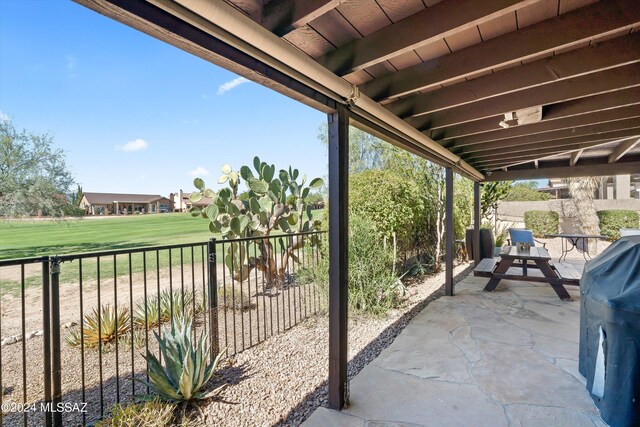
[186,369]
[146,414]
[542,222]
[102,326]
[373,286]
[390,201]
[611,221]
[230,299]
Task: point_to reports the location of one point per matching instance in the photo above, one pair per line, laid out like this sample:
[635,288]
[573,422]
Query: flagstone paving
[504,358]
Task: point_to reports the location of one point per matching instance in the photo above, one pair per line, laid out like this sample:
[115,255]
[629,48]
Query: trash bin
[487,243]
[610,331]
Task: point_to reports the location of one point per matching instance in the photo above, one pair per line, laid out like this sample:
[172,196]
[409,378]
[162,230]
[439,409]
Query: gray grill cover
[610,325]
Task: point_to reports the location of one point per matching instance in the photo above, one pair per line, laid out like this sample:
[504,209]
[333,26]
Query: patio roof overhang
[509,89]
[490,89]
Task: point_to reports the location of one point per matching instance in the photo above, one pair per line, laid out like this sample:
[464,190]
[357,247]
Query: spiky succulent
[149,313]
[186,369]
[102,326]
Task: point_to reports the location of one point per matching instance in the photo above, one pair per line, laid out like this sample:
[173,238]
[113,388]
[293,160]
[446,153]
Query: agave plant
[171,305]
[102,326]
[186,371]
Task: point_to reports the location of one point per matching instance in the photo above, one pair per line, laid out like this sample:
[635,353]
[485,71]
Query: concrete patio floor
[506,358]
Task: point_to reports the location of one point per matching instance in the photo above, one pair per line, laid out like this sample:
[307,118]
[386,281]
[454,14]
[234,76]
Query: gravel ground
[281,381]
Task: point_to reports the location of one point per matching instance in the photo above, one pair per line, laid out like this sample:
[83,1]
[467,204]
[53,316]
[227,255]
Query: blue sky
[137,115]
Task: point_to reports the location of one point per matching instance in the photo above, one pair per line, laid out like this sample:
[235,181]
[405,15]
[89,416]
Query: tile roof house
[116,204]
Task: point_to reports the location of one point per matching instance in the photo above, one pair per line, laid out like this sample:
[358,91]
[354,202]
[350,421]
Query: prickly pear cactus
[265,210]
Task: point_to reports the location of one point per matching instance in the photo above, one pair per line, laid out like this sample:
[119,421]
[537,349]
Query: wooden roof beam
[612,53]
[571,124]
[283,16]
[565,31]
[559,169]
[575,156]
[541,150]
[565,90]
[622,149]
[419,29]
[609,101]
[549,137]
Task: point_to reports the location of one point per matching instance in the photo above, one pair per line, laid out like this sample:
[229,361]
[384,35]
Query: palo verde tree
[264,211]
[34,178]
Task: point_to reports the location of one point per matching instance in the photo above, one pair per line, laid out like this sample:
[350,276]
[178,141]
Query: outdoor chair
[523,235]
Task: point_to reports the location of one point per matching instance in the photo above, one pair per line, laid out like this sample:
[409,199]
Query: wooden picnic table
[557,275]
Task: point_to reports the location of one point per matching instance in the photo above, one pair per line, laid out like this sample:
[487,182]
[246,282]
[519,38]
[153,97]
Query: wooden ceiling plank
[591,84]
[565,30]
[414,31]
[283,16]
[559,169]
[575,156]
[572,122]
[622,149]
[612,53]
[562,134]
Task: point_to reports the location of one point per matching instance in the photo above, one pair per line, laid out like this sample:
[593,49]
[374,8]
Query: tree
[76,197]
[265,211]
[34,178]
[582,191]
[491,194]
[365,150]
[523,192]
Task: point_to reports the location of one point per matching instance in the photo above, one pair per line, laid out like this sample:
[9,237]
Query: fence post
[213,298]
[46,338]
[55,340]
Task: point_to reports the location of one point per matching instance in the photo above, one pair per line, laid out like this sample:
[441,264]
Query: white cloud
[226,87]
[4,117]
[199,171]
[135,145]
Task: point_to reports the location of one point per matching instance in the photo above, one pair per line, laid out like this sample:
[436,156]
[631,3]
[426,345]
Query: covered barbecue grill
[610,331]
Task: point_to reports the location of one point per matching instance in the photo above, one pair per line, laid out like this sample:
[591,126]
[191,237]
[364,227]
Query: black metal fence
[75,328]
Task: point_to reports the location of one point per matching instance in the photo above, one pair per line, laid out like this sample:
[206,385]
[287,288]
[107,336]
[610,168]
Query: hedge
[542,222]
[611,221]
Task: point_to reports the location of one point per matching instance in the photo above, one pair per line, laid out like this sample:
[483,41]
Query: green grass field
[20,239]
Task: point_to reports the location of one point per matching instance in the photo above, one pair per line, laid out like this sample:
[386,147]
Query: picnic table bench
[513,265]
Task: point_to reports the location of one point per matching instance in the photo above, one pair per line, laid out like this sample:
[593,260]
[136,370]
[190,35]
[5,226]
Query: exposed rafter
[546,148]
[557,137]
[613,53]
[567,30]
[284,16]
[570,124]
[559,169]
[575,156]
[577,107]
[622,149]
[417,30]
[602,82]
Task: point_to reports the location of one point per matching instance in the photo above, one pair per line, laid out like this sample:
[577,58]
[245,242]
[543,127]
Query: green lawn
[20,239]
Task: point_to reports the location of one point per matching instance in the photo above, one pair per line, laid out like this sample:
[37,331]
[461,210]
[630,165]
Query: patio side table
[573,240]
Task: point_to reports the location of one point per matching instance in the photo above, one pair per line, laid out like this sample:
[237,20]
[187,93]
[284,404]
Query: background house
[619,187]
[117,204]
[181,202]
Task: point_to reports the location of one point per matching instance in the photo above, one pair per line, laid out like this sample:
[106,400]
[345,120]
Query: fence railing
[75,328]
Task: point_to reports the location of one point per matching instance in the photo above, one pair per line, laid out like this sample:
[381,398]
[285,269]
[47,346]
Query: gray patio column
[476,223]
[448,233]
[338,258]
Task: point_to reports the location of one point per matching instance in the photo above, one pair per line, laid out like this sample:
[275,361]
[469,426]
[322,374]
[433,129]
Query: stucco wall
[513,212]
